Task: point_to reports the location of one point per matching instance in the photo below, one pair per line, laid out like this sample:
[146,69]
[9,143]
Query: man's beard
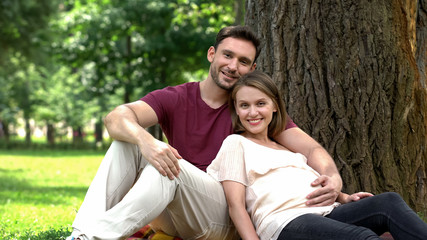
[215,77]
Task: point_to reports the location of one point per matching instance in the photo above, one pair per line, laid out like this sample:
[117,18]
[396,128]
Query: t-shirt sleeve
[229,163]
[290,123]
[160,100]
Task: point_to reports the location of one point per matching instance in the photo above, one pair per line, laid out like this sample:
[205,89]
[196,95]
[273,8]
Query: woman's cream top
[277,182]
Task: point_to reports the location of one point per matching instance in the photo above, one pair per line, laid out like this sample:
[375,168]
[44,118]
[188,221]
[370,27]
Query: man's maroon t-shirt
[190,125]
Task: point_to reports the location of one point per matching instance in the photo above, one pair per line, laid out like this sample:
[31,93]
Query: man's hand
[357,196]
[327,194]
[163,157]
[319,159]
[127,123]
[345,198]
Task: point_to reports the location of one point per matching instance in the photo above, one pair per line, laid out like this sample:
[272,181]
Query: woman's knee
[389,205]
[390,198]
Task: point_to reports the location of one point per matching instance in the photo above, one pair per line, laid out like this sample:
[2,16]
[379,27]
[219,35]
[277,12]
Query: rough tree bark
[353,77]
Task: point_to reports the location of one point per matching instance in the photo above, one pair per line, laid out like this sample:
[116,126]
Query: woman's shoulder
[234,138]
[237,140]
[233,143]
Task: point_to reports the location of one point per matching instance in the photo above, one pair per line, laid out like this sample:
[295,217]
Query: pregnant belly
[284,188]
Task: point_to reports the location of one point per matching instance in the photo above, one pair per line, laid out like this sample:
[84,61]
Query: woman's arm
[236,199]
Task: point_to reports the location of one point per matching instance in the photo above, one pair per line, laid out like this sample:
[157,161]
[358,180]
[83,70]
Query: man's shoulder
[172,92]
[183,87]
[183,91]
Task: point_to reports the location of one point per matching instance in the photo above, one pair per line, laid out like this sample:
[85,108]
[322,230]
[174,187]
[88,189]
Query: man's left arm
[319,159]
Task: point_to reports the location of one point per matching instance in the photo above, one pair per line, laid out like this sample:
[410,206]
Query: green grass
[40,191]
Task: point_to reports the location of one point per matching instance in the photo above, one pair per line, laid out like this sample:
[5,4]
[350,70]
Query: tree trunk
[27,112]
[127,75]
[239,9]
[6,133]
[351,76]
[98,131]
[77,136]
[50,134]
[27,131]
[420,12]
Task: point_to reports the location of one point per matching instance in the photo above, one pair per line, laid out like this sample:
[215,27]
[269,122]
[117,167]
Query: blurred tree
[239,9]
[134,44]
[66,60]
[137,46]
[23,31]
[62,99]
[22,81]
[8,110]
[21,26]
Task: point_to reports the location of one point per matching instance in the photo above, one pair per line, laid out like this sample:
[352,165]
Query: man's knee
[124,153]
[123,145]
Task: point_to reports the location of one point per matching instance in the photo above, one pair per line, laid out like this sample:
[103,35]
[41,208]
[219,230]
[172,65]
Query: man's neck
[213,95]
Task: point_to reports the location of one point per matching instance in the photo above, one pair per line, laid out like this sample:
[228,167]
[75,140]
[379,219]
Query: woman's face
[255,110]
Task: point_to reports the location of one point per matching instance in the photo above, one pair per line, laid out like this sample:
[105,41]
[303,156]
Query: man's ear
[211,54]
[253,67]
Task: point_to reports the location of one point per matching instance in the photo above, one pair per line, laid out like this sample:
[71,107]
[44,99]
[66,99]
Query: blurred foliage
[137,44]
[67,63]
[23,24]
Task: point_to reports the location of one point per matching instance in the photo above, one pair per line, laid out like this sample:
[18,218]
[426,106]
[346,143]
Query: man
[143,180]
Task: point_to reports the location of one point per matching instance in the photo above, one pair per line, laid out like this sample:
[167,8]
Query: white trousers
[128,193]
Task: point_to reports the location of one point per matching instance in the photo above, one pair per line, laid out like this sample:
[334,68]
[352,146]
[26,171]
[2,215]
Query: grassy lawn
[40,191]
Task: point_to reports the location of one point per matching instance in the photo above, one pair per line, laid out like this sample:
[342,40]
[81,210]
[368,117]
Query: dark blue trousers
[365,219]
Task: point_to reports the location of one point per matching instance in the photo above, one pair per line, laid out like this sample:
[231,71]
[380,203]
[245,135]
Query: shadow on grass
[17,190]
[53,153]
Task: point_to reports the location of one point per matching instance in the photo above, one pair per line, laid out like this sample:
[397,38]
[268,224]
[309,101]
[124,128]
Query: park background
[353,74]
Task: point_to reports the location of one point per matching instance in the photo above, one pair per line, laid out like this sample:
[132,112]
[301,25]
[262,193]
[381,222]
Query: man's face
[232,59]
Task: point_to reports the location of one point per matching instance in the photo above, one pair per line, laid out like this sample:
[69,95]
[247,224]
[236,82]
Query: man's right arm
[127,123]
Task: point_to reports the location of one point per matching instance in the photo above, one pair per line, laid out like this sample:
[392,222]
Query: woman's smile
[254,121]
[255,110]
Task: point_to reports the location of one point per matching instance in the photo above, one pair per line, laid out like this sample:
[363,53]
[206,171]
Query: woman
[266,184]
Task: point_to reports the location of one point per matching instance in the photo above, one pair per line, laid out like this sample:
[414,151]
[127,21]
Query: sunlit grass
[40,191]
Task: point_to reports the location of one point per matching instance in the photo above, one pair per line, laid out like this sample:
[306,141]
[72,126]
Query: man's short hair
[239,32]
